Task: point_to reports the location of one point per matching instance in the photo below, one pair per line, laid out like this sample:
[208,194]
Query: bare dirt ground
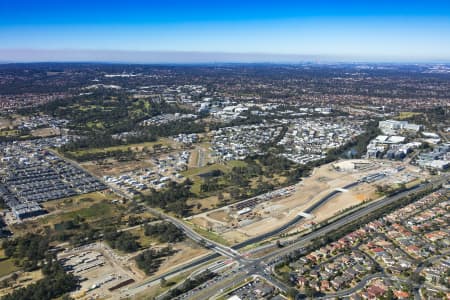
[220,215]
[186,251]
[235,236]
[44,132]
[345,200]
[205,203]
[5,123]
[202,222]
[193,159]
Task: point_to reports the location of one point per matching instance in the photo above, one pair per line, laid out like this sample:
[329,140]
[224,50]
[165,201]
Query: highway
[231,252]
[258,266]
[217,247]
[221,250]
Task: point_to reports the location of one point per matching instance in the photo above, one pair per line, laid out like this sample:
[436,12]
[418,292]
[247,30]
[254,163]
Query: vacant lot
[186,251]
[44,132]
[76,202]
[92,208]
[7,266]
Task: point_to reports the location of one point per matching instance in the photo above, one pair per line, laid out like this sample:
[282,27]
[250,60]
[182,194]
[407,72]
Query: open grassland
[185,251]
[76,202]
[195,173]
[143,240]
[407,114]
[199,205]
[5,123]
[198,171]
[9,132]
[211,236]
[97,211]
[133,147]
[413,183]
[91,208]
[7,266]
[112,167]
[45,132]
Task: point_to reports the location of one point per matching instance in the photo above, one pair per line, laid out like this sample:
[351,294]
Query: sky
[225,30]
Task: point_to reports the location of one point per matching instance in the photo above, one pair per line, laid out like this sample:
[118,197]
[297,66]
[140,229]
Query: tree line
[150,260]
[165,232]
[121,240]
[173,198]
[31,252]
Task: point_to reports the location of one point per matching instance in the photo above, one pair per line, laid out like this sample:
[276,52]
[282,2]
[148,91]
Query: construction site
[329,190]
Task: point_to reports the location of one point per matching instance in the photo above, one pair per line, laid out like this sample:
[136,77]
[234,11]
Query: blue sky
[372,30]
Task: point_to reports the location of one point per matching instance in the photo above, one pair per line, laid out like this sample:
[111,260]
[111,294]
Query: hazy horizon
[232,31]
[187,57]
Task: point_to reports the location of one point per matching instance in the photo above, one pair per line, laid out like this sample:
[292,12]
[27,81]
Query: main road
[249,266]
[260,266]
[219,249]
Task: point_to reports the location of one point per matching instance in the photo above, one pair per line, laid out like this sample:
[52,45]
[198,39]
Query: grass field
[210,202]
[75,202]
[222,167]
[156,290]
[285,269]
[413,183]
[407,114]
[144,241]
[133,147]
[100,210]
[7,267]
[194,173]
[9,133]
[92,207]
[211,236]
[197,171]
[236,163]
